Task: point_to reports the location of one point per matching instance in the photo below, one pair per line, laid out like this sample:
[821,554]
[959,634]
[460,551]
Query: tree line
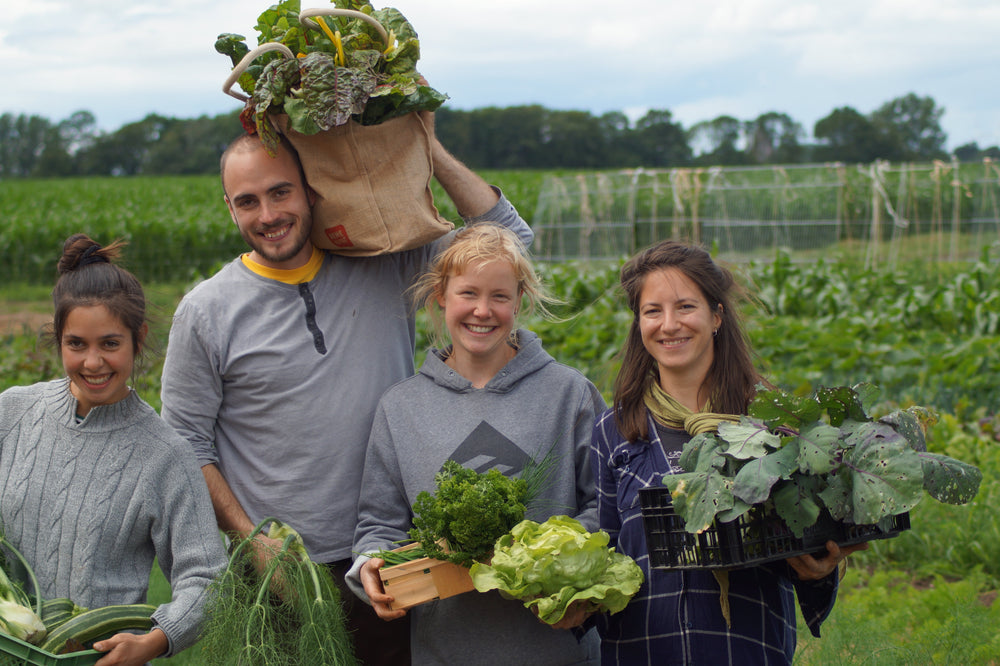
[907,128]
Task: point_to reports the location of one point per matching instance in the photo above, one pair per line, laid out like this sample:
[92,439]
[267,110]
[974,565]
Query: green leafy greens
[469,511]
[344,70]
[806,454]
[552,564]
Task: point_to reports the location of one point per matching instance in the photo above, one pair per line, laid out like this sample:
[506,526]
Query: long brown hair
[732,378]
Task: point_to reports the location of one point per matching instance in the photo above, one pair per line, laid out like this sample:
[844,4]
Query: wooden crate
[422,580]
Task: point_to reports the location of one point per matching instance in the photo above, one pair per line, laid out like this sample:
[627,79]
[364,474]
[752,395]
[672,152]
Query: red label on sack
[338,236]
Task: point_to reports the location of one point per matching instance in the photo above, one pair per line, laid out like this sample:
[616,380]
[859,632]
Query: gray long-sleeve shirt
[277,383]
[90,504]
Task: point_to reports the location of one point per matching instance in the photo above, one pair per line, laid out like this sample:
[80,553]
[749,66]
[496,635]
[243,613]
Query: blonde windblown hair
[472,247]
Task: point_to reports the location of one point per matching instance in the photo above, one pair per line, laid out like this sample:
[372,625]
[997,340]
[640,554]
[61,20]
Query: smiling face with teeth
[270,203]
[479,306]
[98,356]
[677,326]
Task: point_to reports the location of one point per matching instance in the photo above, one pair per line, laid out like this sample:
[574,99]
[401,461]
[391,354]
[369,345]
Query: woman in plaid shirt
[686,366]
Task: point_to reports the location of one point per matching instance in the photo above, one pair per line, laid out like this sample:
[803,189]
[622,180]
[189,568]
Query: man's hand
[471,195]
[263,549]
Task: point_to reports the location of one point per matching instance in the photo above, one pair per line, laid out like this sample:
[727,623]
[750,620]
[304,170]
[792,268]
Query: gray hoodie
[532,405]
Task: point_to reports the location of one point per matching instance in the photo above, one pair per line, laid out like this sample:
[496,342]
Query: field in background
[179,229]
[926,332]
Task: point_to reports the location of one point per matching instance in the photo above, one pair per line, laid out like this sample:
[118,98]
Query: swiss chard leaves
[344,70]
[328,95]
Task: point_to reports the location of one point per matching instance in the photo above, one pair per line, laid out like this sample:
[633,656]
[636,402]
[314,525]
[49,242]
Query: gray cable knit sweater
[90,504]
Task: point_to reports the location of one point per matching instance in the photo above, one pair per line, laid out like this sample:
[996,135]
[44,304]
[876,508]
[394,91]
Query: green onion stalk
[289,613]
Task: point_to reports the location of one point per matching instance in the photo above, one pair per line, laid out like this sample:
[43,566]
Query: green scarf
[673,414]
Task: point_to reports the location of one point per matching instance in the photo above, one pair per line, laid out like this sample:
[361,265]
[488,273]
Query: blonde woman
[492,397]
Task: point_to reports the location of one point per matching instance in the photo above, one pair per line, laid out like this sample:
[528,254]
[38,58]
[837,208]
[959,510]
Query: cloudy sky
[123,60]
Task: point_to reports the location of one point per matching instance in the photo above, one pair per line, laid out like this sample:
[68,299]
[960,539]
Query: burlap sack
[373,184]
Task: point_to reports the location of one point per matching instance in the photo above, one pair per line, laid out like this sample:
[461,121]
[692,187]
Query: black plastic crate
[754,538]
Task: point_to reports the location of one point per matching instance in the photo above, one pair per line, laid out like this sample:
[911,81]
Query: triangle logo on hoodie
[486,448]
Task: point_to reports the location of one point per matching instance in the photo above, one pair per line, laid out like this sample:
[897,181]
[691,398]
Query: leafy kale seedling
[801,455]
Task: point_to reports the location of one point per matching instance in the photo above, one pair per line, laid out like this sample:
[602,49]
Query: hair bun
[91,255]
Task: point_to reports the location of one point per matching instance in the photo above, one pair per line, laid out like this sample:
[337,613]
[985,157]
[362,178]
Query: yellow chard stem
[341,58]
[335,38]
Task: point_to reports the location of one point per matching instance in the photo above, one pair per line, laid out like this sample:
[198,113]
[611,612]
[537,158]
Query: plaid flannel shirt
[676,617]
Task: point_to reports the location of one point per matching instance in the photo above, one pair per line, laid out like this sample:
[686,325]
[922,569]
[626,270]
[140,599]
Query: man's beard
[267,251]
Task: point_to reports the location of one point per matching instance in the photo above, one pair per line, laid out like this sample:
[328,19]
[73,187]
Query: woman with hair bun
[93,483]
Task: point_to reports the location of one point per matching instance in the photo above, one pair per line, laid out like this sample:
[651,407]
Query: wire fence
[939,211]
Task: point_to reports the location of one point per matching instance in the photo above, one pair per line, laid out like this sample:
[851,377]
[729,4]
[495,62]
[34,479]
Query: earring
[715,332]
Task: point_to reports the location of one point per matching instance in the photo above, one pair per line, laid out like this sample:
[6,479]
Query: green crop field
[926,333]
[178,227]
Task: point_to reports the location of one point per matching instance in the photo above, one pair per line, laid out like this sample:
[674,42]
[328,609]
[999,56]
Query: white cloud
[124,59]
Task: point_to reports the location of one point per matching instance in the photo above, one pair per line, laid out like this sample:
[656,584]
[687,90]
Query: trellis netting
[941,210]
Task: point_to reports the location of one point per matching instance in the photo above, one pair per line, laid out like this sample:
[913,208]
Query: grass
[890,618]
[882,618]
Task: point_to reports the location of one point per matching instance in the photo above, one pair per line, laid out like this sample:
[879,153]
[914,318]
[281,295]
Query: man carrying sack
[275,364]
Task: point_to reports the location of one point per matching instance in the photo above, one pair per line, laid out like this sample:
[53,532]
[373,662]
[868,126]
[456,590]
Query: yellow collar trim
[291,276]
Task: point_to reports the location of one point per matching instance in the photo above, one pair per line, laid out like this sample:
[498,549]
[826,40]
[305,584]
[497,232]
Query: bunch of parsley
[469,510]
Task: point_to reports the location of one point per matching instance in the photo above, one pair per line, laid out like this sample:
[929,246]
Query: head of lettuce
[550,565]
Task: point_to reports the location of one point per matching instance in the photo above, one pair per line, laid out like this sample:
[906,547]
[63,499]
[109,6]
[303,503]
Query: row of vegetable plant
[923,337]
[178,228]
